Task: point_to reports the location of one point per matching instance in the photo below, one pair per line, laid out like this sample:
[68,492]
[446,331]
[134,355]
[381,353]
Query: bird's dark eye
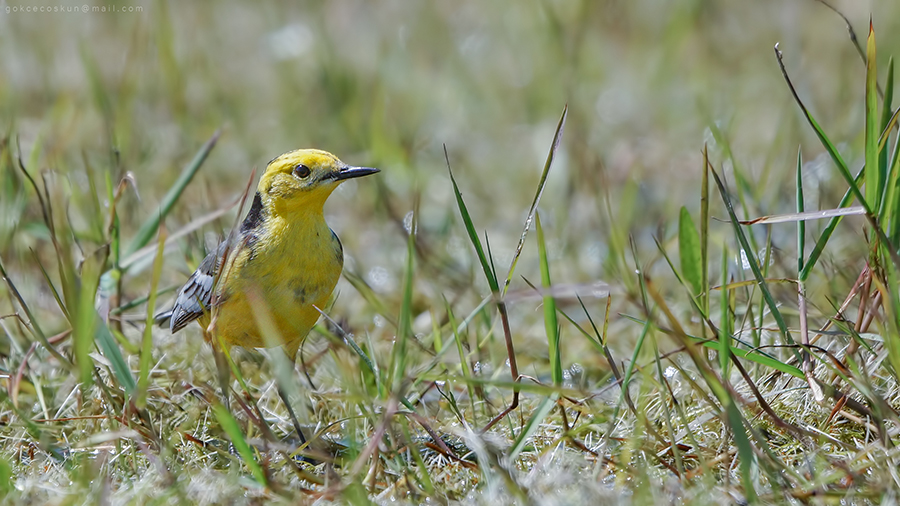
[301,171]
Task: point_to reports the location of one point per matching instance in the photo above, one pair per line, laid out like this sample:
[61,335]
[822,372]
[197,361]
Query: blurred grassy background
[388,84]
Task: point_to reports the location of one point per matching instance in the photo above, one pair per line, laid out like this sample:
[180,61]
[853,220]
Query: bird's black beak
[352,172]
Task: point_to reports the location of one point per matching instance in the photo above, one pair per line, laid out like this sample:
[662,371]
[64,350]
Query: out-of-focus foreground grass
[106,109]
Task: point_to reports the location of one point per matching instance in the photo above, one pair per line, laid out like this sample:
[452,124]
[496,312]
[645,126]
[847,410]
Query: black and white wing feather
[195,297]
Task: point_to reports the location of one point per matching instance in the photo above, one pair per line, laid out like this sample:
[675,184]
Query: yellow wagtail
[284,252]
[283,255]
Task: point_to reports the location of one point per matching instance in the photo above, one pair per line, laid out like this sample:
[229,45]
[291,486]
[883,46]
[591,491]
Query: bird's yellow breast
[282,271]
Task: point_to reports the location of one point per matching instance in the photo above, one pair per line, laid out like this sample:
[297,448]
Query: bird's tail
[164,319]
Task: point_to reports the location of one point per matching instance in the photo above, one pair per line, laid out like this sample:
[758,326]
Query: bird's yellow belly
[284,295]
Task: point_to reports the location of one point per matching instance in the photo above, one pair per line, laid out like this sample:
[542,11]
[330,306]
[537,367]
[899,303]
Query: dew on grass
[408,223]
[379,278]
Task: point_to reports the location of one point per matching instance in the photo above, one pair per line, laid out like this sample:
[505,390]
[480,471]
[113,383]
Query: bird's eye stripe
[301,171]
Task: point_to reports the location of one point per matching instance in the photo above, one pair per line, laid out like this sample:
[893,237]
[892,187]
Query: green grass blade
[369,295]
[704,234]
[93,200]
[463,360]
[86,319]
[594,342]
[826,143]
[892,200]
[745,449]
[115,228]
[231,427]
[531,426]
[110,349]
[151,225]
[35,326]
[557,138]
[887,112]
[892,323]
[629,372]
[7,484]
[667,413]
[470,229]
[371,366]
[892,122]
[875,173]
[404,328]
[694,300]
[885,127]
[726,321]
[490,256]
[147,338]
[689,252]
[814,255]
[421,468]
[540,389]
[888,214]
[753,355]
[551,325]
[752,260]
[801,225]
[139,301]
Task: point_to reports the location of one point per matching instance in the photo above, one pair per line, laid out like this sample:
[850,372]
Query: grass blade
[826,143]
[754,355]
[86,318]
[557,138]
[875,172]
[551,324]
[110,349]
[804,216]
[752,260]
[231,427]
[704,236]
[888,121]
[745,449]
[531,426]
[814,255]
[151,225]
[689,252]
[404,328]
[726,321]
[6,477]
[463,359]
[147,339]
[470,229]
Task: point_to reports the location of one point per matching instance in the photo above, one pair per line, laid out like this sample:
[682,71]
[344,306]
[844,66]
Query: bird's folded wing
[195,297]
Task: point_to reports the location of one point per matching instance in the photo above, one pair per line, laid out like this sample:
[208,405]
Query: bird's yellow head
[305,178]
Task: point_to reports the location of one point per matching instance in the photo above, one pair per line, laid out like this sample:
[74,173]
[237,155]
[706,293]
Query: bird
[284,255]
[283,260]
